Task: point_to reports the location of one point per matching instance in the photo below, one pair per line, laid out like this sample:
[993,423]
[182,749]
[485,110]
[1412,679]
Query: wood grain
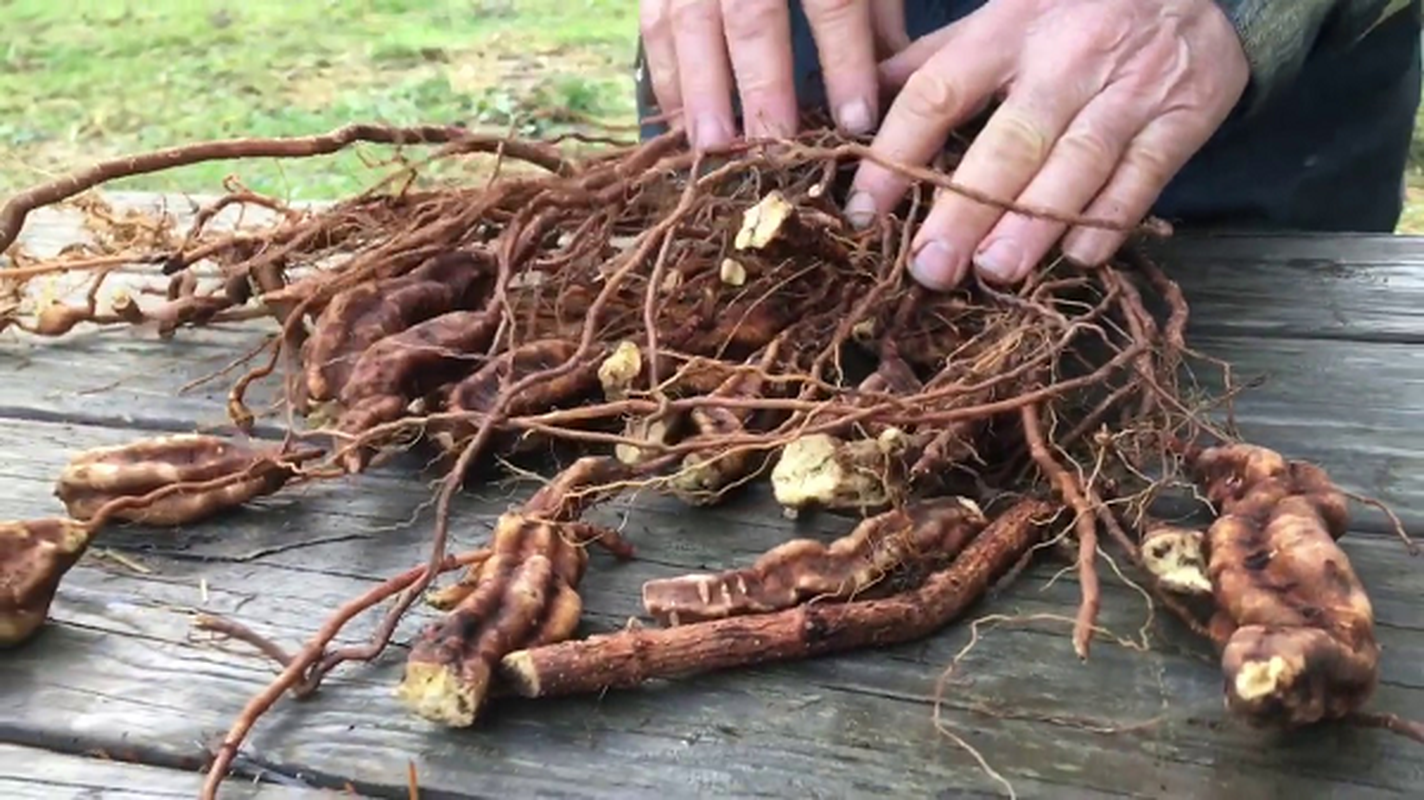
[121,666]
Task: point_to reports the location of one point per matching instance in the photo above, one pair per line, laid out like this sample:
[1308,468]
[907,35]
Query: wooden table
[1335,324]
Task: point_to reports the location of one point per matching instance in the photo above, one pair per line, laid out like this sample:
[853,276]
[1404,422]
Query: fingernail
[855,117]
[860,210]
[1001,261]
[937,265]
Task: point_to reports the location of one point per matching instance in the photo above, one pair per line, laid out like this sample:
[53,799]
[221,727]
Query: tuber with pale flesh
[1294,621]
[525,594]
[822,471]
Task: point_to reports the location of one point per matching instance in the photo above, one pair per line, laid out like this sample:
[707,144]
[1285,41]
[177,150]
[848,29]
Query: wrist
[1275,38]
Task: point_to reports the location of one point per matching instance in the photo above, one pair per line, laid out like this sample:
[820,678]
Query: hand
[1104,101]
[694,48]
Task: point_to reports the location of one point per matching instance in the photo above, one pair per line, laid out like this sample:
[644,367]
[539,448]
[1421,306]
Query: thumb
[898,68]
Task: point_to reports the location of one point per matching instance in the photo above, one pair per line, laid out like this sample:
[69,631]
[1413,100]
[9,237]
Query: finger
[1150,162]
[1001,162]
[888,19]
[896,70]
[1080,164]
[945,92]
[759,41]
[704,71]
[659,55]
[845,41]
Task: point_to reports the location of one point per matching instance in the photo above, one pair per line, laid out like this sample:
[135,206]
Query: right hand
[699,51]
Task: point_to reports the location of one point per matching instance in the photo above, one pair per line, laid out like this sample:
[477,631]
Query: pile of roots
[693,325]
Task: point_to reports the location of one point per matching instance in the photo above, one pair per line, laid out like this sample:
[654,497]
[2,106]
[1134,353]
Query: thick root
[525,594]
[360,316]
[886,553]
[632,657]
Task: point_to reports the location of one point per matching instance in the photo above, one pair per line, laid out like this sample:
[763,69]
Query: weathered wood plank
[1304,288]
[850,726]
[858,725]
[31,773]
[1311,404]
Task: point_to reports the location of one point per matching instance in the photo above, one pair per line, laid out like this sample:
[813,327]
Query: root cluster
[696,325]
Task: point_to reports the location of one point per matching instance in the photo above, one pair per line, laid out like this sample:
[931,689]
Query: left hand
[1104,101]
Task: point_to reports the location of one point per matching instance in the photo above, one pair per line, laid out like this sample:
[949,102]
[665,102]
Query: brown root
[360,316]
[1301,645]
[96,478]
[34,557]
[688,326]
[524,594]
[632,657]
[886,553]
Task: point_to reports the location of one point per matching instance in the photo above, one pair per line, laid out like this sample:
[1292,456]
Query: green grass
[91,79]
[106,78]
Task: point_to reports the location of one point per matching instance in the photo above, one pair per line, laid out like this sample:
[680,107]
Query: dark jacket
[1320,141]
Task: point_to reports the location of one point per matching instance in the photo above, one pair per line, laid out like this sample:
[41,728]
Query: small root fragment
[825,472]
[1174,556]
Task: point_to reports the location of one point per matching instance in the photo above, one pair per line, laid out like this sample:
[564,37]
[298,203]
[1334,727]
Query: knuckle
[1108,31]
[1086,144]
[750,20]
[822,11]
[689,14]
[1017,140]
[930,96]
[1151,165]
[653,18]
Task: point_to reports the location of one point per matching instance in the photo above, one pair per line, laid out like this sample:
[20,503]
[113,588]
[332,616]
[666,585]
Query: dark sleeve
[1278,35]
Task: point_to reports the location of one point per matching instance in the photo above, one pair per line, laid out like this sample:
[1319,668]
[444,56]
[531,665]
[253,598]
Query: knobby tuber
[34,557]
[407,366]
[524,594]
[216,475]
[1296,624]
[631,657]
[706,475]
[359,316]
[884,553]
[826,472]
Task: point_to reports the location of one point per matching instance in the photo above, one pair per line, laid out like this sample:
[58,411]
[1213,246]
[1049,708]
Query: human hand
[695,48]
[1104,101]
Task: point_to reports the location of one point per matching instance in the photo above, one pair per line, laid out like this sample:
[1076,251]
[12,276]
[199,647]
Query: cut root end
[435,693]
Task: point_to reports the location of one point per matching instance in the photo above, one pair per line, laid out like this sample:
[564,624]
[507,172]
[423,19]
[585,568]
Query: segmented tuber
[223,474]
[885,553]
[523,595]
[1296,622]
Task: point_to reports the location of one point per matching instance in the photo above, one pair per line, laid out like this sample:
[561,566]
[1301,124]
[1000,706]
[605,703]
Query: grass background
[90,79]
